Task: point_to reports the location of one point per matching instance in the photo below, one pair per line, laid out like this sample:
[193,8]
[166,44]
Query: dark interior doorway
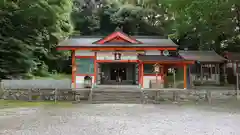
[118,72]
[109,74]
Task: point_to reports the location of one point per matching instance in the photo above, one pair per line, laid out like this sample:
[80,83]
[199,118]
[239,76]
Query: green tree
[136,17]
[207,24]
[30,31]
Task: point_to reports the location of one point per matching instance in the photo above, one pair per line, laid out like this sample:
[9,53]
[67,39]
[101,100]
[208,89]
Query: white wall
[84,53]
[109,55]
[147,79]
[153,52]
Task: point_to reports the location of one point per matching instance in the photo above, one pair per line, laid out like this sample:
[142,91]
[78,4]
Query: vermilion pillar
[142,73]
[73,69]
[95,67]
[139,73]
[185,76]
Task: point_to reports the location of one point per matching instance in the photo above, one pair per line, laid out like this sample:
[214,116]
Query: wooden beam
[142,73]
[201,73]
[95,67]
[139,74]
[218,73]
[185,76]
[237,77]
[74,68]
[225,73]
[117,48]
[190,76]
[174,78]
[85,57]
[117,61]
[237,81]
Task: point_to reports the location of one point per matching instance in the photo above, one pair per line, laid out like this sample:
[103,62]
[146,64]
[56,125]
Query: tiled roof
[202,56]
[159,58]
[147,41]
[233,56]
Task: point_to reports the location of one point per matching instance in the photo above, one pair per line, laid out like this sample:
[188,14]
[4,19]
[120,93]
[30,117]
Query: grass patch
[17,103]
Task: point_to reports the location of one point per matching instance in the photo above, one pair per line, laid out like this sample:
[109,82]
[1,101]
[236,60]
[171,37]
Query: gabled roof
[202,56]
[119,35]
[144,41]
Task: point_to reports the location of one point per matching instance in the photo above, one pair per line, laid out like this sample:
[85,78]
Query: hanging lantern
[87,82]
[165,52]
[157,68]
[74,68]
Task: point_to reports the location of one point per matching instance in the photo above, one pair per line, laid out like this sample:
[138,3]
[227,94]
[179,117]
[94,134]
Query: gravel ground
[119,119]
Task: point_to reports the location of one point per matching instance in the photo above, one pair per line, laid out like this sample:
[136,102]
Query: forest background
[31,29]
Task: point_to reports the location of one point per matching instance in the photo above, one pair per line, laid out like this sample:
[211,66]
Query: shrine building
[119,59]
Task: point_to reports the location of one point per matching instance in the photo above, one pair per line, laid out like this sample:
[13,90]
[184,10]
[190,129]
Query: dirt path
[119,119]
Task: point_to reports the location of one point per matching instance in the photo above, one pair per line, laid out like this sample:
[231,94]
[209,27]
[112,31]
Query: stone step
[116,99]
[116,96]
[117,102]
[122,92]
[113,90]
[112,98]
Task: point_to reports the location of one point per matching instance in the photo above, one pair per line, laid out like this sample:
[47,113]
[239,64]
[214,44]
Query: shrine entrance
[118,74]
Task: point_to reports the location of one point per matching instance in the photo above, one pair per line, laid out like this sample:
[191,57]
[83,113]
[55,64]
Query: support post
[157,81]
[225,73]
[237,80]
[185,76]
[237,83]
[95,69]
[139,74]
[218,74]
[30,94]
[142,74]
[55,93]
[174,78]
[208,96]
[190,76]
[201,73]
[211,71]
[215,73]
[73,69]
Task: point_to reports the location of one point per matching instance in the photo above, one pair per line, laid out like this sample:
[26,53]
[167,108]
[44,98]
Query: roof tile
[202,56]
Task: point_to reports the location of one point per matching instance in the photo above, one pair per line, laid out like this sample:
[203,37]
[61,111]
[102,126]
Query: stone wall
[42,95]
[39,90]
[157,96]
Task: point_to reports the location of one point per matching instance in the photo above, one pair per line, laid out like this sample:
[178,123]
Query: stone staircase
[125,95]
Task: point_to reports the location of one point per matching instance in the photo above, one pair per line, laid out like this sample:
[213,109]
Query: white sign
[117,56]
[113,56]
